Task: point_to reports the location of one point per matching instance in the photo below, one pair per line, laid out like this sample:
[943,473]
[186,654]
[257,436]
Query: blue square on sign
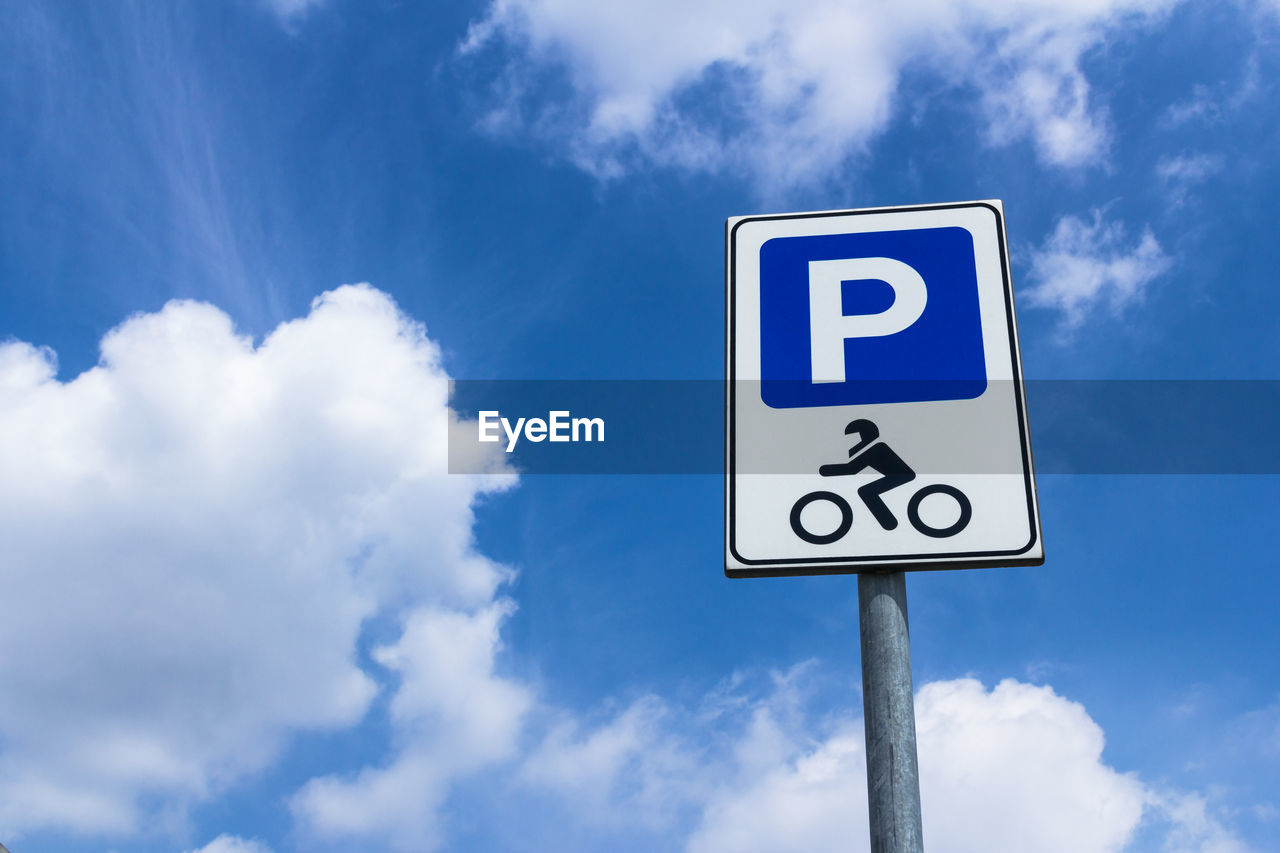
[877,317]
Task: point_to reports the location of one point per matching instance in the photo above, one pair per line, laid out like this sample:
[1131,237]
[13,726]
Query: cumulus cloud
[201,530]
[751,770]
[198,529]
[1014,767]
[1014,740]
[790,89]
[453,716]
[1086,265]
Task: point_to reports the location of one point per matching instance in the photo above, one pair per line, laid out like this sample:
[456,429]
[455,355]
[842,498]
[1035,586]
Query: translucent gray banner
[677,427]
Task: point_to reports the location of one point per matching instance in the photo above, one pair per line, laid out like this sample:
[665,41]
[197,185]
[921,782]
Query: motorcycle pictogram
[871,453]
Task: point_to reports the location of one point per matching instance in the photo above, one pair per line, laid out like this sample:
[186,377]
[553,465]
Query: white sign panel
[876,415]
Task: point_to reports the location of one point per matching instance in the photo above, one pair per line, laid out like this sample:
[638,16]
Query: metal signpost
[876,423]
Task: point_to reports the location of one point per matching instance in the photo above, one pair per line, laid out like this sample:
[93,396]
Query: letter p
[829,327]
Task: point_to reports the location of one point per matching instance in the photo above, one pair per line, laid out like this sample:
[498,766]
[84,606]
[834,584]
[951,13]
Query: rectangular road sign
[876,416]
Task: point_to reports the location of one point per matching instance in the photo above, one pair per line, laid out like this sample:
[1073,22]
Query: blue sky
[247,610]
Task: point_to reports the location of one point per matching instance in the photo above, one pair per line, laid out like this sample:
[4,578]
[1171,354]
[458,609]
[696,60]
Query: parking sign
[876,416]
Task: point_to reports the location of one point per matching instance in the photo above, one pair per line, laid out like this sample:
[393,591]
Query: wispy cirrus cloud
[1085,266]
[1181,173]
[290,11]
[1188,168]
[1210,104]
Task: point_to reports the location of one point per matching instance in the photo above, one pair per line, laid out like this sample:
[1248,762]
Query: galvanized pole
[893,779]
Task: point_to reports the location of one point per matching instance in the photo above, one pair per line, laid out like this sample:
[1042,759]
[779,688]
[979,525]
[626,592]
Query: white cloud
[1188,168]
[1180,173]
[232,844]
[1022,746]
[1013,768]
[453,716]
[1083,266]
[815,801]
[1189,826]
[196,531]
[1209,105]
[789,88]
[632,770]
[652,767]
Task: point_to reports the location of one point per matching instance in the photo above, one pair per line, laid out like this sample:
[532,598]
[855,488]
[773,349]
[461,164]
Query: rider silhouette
[879,458]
